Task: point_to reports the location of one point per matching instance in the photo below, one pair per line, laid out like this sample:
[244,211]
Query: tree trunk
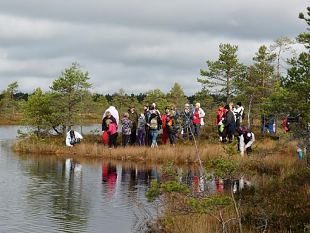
[249,112]
[228,89]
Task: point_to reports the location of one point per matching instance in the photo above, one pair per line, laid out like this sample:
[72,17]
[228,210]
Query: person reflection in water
[109,177]
[219,185]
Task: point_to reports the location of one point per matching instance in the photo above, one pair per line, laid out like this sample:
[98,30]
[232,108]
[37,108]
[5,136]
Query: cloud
[133,44]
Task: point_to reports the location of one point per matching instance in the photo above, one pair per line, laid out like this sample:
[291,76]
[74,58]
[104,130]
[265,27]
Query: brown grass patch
[274,155]
[179,154]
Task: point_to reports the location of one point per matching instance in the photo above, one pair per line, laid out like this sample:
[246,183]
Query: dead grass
[179,154]
[274,155]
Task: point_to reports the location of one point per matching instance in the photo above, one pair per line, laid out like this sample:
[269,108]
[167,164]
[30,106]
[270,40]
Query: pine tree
[221,74]
[298,80]
[176,96]
[69,90]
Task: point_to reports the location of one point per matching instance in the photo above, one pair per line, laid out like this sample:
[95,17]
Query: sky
[137,45]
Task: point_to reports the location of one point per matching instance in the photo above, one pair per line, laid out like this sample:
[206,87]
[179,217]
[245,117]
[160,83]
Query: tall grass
[179,154]
[273,154]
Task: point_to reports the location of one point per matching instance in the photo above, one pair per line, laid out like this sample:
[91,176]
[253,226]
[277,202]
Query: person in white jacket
[239,114]
[245,143]
[72,138]
[114,113]
[198,115]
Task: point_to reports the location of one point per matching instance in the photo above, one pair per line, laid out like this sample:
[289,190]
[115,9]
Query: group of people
[229,121]
[143,129]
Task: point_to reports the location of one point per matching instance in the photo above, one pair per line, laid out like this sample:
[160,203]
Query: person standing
[229,124]
[126,129]
[220,113]
[141,130]
[154,124]
[198,115]
[171,125]
[113,111]
[147,115]
[239,114]
[187,122]
[133,116]
[164,127]
[109,125]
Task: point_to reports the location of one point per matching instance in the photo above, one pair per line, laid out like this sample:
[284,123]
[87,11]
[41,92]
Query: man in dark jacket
[187,122]
[133,116]
[229,124]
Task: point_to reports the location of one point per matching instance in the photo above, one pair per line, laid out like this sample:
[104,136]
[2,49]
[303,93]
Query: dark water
[48,194]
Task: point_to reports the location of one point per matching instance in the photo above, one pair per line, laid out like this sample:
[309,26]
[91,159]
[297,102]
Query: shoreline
[183,153]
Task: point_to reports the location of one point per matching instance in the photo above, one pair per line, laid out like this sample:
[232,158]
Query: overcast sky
[136,45]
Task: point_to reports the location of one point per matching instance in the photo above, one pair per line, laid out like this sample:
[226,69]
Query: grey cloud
[136,45]
[239,18]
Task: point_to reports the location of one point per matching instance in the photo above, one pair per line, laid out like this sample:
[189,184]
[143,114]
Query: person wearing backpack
[171,124]
[187,122]
[126,129]
[229,125]
[154,122]
[141,130]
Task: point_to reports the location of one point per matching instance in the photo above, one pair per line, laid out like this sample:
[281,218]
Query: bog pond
[57,194]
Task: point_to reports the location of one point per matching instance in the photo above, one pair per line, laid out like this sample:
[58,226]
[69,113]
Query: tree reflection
[56,190]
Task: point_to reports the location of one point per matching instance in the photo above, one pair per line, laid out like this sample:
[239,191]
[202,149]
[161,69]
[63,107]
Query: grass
[275,155]
[179,155]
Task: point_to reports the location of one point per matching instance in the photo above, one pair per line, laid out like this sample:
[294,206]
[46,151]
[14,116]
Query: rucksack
[154,123]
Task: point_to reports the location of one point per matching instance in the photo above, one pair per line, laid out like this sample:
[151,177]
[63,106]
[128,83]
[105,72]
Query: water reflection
[51,194]
[109,178]
[64,195]
[56,189]
[202,183]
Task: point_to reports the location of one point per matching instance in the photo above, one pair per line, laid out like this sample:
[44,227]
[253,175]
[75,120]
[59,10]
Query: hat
[248,135]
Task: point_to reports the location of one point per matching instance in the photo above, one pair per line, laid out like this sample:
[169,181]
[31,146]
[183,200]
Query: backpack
[154,123]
